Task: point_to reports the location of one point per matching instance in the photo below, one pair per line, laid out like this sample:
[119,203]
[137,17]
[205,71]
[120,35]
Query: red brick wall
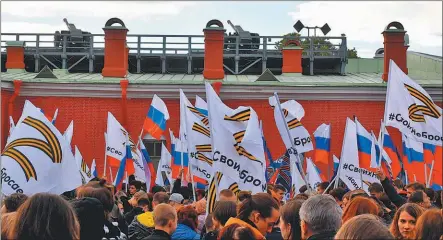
[90,115]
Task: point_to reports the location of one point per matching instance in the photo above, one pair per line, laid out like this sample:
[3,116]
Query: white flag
[115,142]
[312,174]
[410,108]
[293,112]
[69,132]
[83,168]
[236,143]
[297,179]
[349,170]
[37,157]
[164,165]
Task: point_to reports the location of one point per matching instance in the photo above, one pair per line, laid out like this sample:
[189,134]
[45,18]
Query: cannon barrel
[232,25]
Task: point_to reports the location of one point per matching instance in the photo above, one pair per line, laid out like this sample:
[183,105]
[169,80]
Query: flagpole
[127,181]
[292,143]
[430,173]
[426,174]
[110,172]
[106,146]
[381,143]
[330,184]
[415,178]
[406,175]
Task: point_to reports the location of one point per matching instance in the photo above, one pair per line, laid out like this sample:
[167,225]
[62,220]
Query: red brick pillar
[116,51]
[214,43]
[394,47]
[292,59]
[15,56]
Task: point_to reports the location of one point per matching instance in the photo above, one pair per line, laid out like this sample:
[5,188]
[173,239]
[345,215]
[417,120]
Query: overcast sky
[362,22]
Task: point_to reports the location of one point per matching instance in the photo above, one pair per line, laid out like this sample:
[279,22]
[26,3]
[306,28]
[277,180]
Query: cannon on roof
[74,37]
[248,40]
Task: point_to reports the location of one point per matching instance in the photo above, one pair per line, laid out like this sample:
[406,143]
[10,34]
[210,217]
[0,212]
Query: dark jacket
[329,235]
[159,235]
[113,232]
[129,217]
[212,235]
[392,193]
[141,227]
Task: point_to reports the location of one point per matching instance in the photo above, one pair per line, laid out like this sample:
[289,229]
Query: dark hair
[157,188]
[303,189]
[323,185]
[279,187]
[416,186]
[242,195]
[45,216]
[136,184]
[200,192]
[338,193]
[160,197]
[235,231]
[431,194]
[290,214]
[399,183]
[143,202]
[224,210]
[375,188]
[90,215]
[14,201]
[188,216]
[438,199]
[416,197]
[102,194]
[261,202]
[302,196]
[208,221]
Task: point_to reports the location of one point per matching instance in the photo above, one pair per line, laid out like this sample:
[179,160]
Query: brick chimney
[214,43]
[292,58]
[15,57]
[395,47]
[116,51]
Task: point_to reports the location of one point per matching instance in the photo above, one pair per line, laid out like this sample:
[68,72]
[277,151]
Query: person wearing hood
[90,215]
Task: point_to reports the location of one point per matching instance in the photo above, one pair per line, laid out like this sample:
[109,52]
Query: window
[154,148]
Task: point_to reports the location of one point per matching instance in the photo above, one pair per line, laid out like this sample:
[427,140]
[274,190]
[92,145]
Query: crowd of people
[97,211]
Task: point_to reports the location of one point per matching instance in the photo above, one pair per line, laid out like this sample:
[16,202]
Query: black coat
[159,235]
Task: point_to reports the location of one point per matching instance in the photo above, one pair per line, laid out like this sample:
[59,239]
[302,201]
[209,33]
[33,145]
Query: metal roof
[351,79]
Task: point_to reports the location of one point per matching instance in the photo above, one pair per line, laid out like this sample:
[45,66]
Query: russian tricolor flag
[391,150]
[121,169]
[322,136]
[413,154]
[148,166]
[94,169]
[155,121]
[364,145]
[179,157]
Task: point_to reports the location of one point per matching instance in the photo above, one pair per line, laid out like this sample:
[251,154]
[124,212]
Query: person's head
[376,190]
[419,197]
[90,215]
[235,231]
[134,200]
[101,193]
[301,196]
[200,194]
[303,189]
[438,199]
[429,225]
[261,209]
[365,226]
[431,194]
[321,187]
[290,220]
[338,194]
[45,216]
[14,201]
[403,223]
[227,195]
[176,200]
[242,195]
[157,188]
[358,206]
[209,223]
[278,192]
[223,210]
[159,197]
[165,218]
[134,186]
[398,185]
[143,203]
[318,214]
[415,186]
[346,199]
[188,216]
